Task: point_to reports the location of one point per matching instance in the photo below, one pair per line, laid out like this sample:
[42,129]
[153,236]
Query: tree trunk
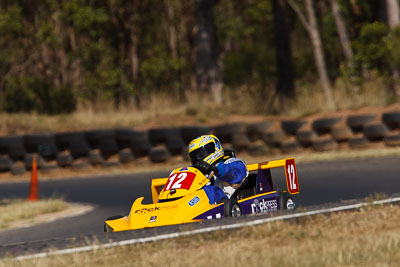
[310,24]
[171,29]
[343,34]
[393,20]
[319,55]
[208,69]
[345,43]
[285,86]
[392,9]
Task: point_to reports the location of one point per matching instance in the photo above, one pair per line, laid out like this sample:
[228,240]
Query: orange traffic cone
[33,195]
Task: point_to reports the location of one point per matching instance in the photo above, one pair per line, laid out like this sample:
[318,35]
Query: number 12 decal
[291,177]
[182,180]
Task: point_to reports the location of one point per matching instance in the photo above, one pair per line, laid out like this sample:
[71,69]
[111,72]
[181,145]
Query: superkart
[180,198]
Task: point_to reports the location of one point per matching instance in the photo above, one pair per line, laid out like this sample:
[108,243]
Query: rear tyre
[232,208]
[286,202]
[109,219]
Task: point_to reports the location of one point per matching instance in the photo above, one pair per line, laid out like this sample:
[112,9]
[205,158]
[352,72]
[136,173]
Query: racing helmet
[205,148]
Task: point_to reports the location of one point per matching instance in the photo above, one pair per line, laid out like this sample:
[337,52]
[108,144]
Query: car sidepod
[261,203]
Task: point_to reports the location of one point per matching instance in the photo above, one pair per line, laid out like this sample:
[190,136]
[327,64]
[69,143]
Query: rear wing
[289,165]
[292,182]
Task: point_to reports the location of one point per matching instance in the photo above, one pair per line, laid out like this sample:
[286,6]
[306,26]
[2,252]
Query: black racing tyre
[123,137]
[175,145]
[240,142]
[257,149]
[358,142]
[64,159]
[290,147]
[9,144]
[306,137]
[126,156]
[376,132]
[185,153]
[32,141]
[225,132]
[193,131]
[324,145]
[108,147]
[4,143]
[63,140]
[286,201]
[42,143]
[93,137]
[159,154]
[140,144]
[79,149]
[392,119]
[291,127]
[341,134]
[13,146]
[109,219]
[322,126]
[255,130]
[95,157]
[159,136]
[5,163]
[392,140]
[274,138]
[357,122]
[232,208]
[17,168]
[40,162]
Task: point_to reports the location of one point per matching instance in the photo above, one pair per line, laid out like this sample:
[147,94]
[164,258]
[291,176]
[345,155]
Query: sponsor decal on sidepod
[147,210]
[194,201]
[263,206]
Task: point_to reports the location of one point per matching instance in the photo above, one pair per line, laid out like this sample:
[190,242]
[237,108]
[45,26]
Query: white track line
[205,230]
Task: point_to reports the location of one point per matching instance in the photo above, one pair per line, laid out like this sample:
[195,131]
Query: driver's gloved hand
[206,168]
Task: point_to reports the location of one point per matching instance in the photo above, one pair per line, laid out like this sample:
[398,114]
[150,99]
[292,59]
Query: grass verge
[368,237]
[17,209]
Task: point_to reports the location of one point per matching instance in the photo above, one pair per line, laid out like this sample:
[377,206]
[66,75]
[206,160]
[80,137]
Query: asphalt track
[320,182]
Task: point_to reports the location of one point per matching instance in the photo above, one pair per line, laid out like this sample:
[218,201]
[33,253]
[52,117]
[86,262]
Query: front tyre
[286,201]
[232,208]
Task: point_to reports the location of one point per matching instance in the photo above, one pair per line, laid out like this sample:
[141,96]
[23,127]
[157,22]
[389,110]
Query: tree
[393,21]
[343,34]
[208,65]
[285,86]
[310,24]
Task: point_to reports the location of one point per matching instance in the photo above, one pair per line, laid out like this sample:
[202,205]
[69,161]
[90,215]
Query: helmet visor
[201,153]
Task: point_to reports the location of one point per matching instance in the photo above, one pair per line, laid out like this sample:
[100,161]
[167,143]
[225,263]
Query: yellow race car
[181,198]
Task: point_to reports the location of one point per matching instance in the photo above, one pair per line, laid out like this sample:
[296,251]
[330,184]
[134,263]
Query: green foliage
[26,94]
[370,49]
[56,53]
[11,22]
[18,95]
[393,45]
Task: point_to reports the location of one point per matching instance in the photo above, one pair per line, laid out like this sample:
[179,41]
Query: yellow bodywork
[176,211]
[167,213]
[171,207]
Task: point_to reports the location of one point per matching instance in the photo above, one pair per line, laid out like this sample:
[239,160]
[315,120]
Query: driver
[207,155]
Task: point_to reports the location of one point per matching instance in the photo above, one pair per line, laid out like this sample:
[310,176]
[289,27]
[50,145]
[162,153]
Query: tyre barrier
[120,146]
